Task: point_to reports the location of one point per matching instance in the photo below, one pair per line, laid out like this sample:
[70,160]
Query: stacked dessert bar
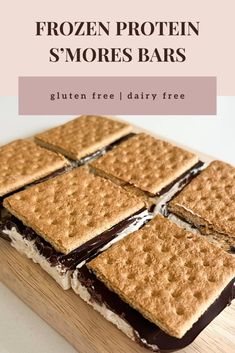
[148,167]
[160,285]
[121,217]
[65,220]
[207,203]
[85,138]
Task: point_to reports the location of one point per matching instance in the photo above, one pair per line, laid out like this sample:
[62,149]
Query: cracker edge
[144,191]
[64,163]
[60,247]
[111,138]
[178,332]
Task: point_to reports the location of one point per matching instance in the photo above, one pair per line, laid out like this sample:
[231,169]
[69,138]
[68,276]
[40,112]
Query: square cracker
[83,136]
[209,201]
[73,208]
[146,163]
[22,162]
[169,275]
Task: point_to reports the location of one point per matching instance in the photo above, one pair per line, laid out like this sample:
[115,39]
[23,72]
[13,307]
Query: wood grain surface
[84,328]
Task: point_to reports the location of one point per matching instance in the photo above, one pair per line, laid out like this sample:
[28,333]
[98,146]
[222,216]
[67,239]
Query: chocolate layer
[103,150]
[73,164]
[146,333]
[50,176]
[230,248]
[71,260]
[185,178]
[166,212]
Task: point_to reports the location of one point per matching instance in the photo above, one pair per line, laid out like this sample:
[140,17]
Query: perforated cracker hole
[165,249]
[54,222]
[197,295]
[223,177]
[206,263]
[173,258]
[90,224]
[180,311]
[171,278]
[129,248]
[203,198]
[147,248]
[231,219]
[214,188]
[226,263]
[110,261]
[189,198]
[191,278]
[203,250]
[175,294]
[144,236]
[189,264]
[131,276]
[147,279]
[209,208]
[178,235]
[212,279]
[128,262]
[148,260]
[229,187]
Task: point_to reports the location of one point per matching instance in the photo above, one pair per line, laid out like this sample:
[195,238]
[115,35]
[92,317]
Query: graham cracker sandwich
[85,138]
[208,203]
[160,285]
[22,162]
[147,165]
[68,219]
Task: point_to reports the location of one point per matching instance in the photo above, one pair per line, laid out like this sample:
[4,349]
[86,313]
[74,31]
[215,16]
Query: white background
[20,329]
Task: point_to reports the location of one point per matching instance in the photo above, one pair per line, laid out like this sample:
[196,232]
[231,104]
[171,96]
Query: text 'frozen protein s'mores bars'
[22,162]
[85,138]
[147,165]
[160,285]
[208,203]
[65,220]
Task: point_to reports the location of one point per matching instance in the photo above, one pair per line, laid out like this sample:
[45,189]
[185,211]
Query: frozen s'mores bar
[208,203]
[85,138]
[160,285]
[147,165]
[68,219]
[22,162]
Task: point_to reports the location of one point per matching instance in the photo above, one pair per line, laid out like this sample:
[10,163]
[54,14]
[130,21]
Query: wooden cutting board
[83,327]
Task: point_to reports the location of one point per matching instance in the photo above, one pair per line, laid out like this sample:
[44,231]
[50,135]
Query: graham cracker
[22,162]
[169,275]
[71,209]
[83,136]
[208,202]
[149,201]
[146,163]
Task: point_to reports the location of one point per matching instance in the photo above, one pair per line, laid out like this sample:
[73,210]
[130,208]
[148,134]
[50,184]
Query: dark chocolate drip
[145,331]
[83,252]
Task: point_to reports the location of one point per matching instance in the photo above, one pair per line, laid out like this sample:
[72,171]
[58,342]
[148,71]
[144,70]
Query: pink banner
[117,95]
